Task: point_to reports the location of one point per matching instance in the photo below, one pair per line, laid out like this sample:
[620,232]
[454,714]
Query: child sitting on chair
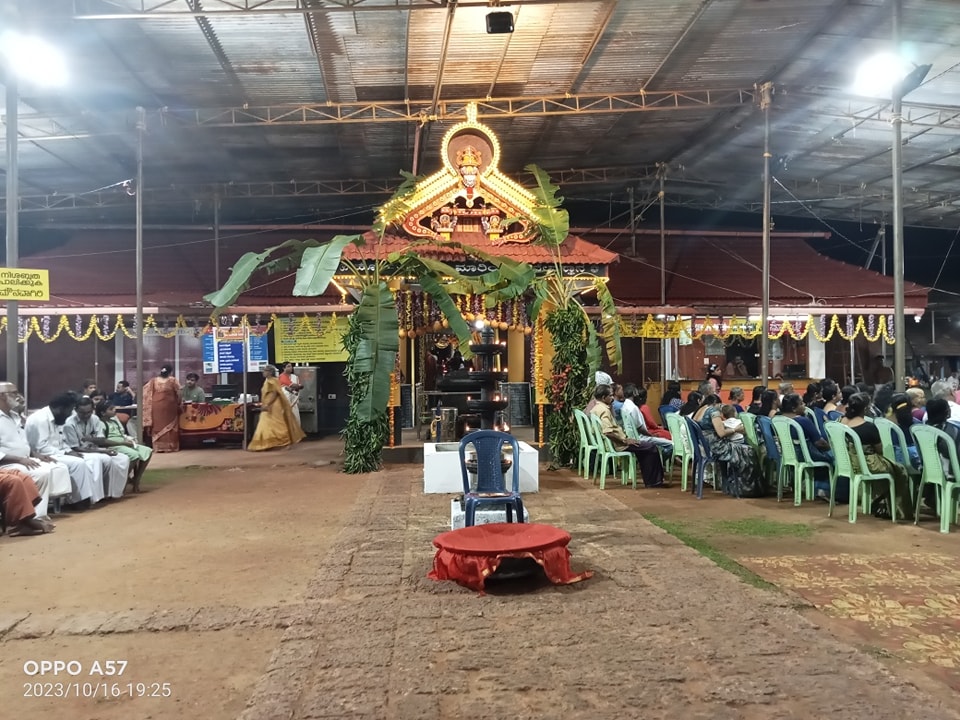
[731,421]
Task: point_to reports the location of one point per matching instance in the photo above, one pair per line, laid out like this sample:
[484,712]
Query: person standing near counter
[161,411]
[191,392]
[291,389]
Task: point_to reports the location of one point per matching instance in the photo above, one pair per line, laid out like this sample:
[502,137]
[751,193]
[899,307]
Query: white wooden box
[441,468]
[484,515]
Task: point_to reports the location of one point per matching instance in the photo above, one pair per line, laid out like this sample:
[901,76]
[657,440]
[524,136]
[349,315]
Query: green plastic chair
[633,432]
[839,436]
[682,446]
[607,455]
[630,426]
[587,444]
[948,491]
[891,438]
[795,458]
[749,421]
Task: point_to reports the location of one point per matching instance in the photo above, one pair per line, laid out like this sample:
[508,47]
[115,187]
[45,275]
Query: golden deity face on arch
[469,160]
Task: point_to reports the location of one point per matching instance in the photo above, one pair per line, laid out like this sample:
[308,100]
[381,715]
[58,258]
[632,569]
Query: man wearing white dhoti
[52,478]
[45,434]
[83,432]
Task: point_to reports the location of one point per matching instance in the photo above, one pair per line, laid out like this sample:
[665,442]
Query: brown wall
[61,365]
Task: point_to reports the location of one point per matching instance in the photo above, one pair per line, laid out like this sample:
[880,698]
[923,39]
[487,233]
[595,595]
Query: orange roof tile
[574,251]
[725,272]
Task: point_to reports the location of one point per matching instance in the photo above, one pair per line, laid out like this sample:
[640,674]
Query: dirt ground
[273,586]
[221,551]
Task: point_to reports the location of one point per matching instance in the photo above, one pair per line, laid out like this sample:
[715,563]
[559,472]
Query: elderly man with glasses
[52,478]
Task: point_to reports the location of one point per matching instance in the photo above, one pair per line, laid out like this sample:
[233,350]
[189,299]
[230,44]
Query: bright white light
[876,76]
[33,59]
[479,324]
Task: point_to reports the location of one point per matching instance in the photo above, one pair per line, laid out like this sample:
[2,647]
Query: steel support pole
[246,397]
[138,323]
[899,322]
[663,241]
[13,244]
[663,279]
[766,92]
[216,241]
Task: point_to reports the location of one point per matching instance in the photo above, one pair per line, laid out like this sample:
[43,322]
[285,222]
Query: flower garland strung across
[419,315]
[40,326]
[870,327]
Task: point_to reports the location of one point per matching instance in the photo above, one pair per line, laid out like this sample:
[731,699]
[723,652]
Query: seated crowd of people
[722,426]
[73,453]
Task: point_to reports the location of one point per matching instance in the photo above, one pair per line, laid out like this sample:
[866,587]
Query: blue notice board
[223,351]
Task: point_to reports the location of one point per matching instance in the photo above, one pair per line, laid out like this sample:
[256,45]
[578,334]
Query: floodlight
[33,59]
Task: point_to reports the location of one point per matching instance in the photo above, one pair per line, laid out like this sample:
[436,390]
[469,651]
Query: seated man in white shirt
[52,478]
[45,434]
[85,433]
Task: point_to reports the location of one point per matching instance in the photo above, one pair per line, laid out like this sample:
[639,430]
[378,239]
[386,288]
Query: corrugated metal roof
[239,67]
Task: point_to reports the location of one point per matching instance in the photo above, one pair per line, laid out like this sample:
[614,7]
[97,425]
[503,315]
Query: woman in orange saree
[277,426]
[161,411]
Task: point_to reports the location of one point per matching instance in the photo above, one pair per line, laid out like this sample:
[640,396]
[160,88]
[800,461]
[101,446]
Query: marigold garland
[870,327]
[39,326]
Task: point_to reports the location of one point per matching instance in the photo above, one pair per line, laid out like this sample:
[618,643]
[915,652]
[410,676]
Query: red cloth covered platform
[470,555]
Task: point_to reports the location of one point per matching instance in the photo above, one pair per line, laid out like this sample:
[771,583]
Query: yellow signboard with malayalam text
[299,342]
[22,284]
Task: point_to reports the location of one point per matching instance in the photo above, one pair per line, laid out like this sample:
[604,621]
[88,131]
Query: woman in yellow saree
[277,426]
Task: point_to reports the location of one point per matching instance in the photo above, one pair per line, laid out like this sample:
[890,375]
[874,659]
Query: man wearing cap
[599,378]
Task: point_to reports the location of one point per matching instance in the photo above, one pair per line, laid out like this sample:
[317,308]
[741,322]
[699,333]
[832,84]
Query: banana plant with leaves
[372,338]
[577,347]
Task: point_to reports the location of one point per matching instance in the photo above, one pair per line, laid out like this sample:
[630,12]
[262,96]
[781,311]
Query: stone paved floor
[659,632]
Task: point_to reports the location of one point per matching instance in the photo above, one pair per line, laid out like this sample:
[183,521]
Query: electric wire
[817,217]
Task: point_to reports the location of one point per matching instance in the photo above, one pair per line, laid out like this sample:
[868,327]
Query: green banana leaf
[398,206]
[250,263]
[377,351]
[610,322]
[552,220]
[318,265]
[593,349]
[449,308]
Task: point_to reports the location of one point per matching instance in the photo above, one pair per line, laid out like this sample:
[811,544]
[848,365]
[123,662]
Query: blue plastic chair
[820,419]
[491,485]
[665,410]
[702,457]
[773,461]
